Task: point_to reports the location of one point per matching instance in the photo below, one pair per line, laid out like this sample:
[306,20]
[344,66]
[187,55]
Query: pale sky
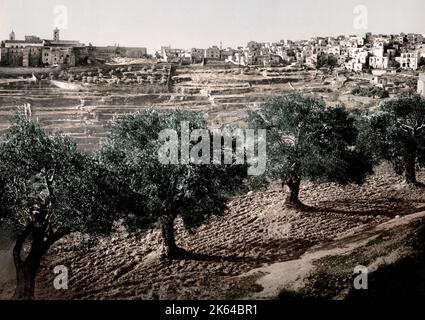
[202,23]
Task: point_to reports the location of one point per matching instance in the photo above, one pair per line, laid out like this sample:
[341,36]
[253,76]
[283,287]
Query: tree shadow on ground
[218,258]
[275,250]
[389,207]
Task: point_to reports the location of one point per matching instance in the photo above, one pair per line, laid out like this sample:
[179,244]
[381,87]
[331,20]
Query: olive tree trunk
[171,250]
[292,198]
[26,269]
[25,280]
[410,165]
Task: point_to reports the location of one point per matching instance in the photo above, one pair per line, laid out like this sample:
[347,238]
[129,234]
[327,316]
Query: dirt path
[292,275]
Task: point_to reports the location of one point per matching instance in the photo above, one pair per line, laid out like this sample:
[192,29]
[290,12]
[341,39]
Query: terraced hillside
[223,93]
[81,114]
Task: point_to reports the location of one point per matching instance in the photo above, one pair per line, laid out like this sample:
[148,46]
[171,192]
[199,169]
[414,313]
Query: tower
[56,34]
[12,36]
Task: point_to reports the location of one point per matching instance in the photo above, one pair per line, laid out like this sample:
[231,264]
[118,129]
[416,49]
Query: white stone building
[378,62]
[409,60]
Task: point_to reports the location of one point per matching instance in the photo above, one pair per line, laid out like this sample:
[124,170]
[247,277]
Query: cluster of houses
[194,55]
[254,54]
[383,52]
[353,53]
[35,52]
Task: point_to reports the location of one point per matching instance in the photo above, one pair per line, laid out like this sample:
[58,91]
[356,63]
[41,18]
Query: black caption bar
[163,310]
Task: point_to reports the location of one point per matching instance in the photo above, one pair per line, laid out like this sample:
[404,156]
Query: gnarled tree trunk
[410,170]
[25,280]
[41,241]
[410,163]
[292,199]
[26,269]
[171,250]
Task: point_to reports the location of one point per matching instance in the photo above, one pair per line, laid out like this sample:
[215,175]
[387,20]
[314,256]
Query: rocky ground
[256,232]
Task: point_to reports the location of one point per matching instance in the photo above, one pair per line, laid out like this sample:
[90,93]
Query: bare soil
[233,254]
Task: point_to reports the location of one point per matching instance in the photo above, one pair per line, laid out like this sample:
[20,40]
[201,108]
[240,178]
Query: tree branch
[50,176]
[405,126]
[421,127]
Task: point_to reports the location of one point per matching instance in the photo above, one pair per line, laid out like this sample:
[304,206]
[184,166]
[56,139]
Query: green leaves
[397,132]
[310,140]
[153,190]
[371,91]
[47,170]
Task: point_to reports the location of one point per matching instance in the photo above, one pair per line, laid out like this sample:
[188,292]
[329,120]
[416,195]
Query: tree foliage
[397,134]
[158,192]
[308,140]
[371,92]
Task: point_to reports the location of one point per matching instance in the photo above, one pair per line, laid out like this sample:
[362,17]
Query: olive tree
[47,190]
[396,133]
[308,140]
[158,192]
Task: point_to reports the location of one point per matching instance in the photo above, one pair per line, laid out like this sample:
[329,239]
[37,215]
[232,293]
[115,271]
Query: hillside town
[103,81]
[353,53]
[405,51]
[372,62]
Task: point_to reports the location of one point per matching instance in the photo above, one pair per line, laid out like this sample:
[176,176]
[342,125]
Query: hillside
[223,93]
[255,249]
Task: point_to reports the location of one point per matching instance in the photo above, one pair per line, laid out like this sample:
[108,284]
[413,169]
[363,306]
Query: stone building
[169,54]
[59,51]
[213,53]
[21,53]
[409,60]
[197,55]
[110,52]
[35,52]
[378,62]
[133,52]
[58,55]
